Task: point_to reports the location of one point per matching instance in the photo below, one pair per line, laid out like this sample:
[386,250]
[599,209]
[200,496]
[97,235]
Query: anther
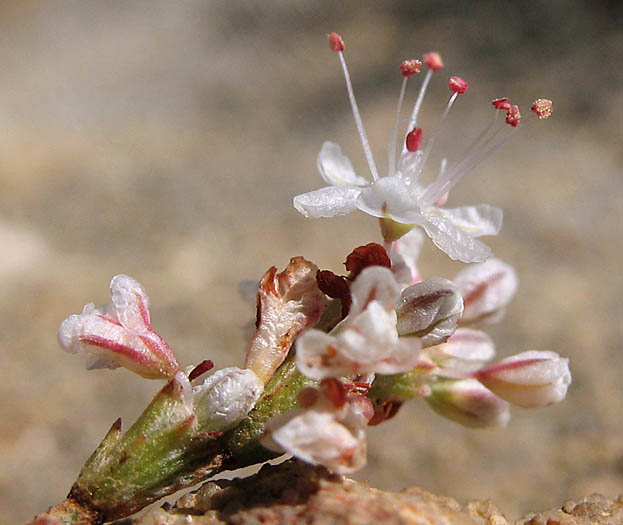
[457,85]
[413,140]
[433,61]
[542,108]
[501,103]
[335,42]
[513,116]
[410,67]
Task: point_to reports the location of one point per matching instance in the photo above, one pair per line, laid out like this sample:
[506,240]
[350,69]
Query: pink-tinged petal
[455,242]
[374,283]
[390,197]
[369,337]
[327,202]
[131,304]
[335,168]
[318,355]
[471,347]
[530,379]
[319,438]
[288,303]
[475,220]
[225,398]
[487,288]
[469,403]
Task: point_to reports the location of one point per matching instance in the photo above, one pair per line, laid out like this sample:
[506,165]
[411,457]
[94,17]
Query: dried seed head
[413,140]
[542,108]
[410,67]
[433,61]
[335,42]
[457,85]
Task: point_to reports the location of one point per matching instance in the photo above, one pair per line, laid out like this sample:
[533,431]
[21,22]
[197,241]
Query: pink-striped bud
[433,61]
[457,85]
[530,379]
[408,68]
[335,42]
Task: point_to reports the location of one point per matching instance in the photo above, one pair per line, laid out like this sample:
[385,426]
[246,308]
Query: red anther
[371,254]
[457,85]
[334,390]
[542,107]
[414,137]
[335,42]
[307,397]
[433,61]
[200,369]
[501,103]
[513,116]
[410,67]
[336,287]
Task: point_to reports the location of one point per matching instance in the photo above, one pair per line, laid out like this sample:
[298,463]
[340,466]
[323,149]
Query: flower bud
[119,334]
[530,379]
[225,398]
[429,310]
[469,403]
[486,289]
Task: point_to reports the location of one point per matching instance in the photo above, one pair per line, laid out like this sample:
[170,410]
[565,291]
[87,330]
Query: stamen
[410,67]
[414,137]
[457,85]
[391,149]
[337,44]
[513,116]
[542,108]
[433,61]
[501,103]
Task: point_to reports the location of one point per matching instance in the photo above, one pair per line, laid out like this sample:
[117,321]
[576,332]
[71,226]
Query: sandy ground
[165,140]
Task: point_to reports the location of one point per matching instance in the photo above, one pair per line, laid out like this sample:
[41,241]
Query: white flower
[328,433]
[400,196]
[119,334]
[367,340]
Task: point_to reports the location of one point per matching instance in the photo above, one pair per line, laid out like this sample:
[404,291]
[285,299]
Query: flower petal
[335,168]
[475,220]
[404,255]
[390,197]
[455,242]
[375,283]
[131,304]
[330,201]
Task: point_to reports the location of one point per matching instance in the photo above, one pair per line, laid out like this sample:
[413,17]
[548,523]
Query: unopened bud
[335,42]
[225,398]
[413,140]
[469,403]
[542,108]
[429,310]
[513,116]
[530,379]
[410,67]
[433,61]
[486,289]
[457,85]
[501,103]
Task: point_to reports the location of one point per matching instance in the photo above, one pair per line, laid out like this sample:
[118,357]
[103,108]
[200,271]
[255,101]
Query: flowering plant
[331,354]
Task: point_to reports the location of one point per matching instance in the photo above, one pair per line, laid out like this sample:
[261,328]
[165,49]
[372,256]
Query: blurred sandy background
[165,140]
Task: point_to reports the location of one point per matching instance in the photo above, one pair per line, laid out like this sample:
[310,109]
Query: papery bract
[530,379]
[119,334]
[288,302]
